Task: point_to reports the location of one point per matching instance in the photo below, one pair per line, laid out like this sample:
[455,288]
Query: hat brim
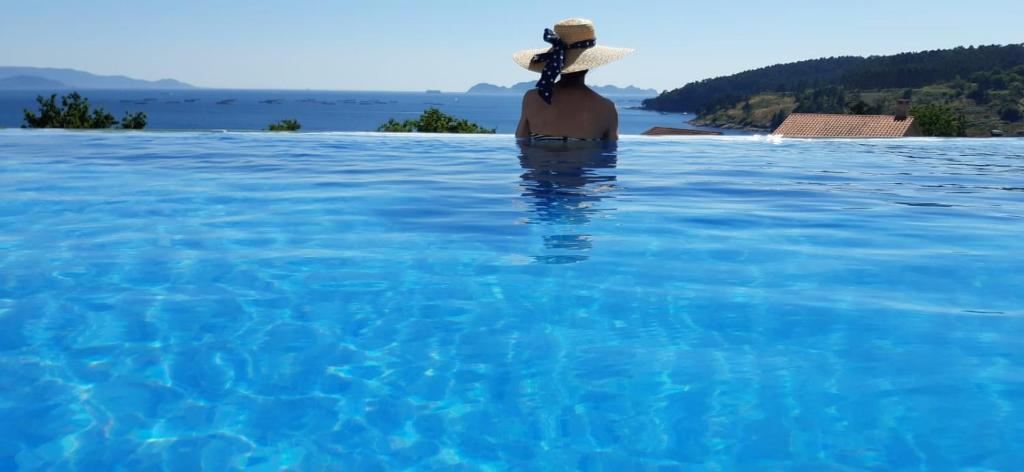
[575,59]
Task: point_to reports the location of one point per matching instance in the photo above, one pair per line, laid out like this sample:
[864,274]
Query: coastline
[235,109]
[711,124]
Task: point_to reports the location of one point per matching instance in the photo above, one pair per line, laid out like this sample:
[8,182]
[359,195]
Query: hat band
[555,59]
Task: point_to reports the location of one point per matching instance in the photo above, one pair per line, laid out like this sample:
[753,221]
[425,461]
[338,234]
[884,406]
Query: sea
[215,109]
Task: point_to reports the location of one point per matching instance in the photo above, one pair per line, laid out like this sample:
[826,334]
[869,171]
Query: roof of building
[823,125]
[663,131]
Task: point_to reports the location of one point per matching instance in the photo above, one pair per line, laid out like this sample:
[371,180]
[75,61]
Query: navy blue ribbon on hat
[555,59]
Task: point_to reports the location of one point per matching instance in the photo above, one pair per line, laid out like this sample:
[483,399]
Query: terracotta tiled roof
[822,125]
[662,131]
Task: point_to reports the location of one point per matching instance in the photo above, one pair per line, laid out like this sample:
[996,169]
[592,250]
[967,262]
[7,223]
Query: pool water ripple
[257,301]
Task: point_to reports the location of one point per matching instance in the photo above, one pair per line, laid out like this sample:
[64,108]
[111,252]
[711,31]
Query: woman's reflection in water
[564,183]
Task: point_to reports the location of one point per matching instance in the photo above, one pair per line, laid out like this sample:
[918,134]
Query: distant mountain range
[522,87]
[44,78]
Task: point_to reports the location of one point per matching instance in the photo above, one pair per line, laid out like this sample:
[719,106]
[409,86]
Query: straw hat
[571,31]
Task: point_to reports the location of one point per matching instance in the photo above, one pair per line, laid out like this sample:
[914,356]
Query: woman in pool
[567,110]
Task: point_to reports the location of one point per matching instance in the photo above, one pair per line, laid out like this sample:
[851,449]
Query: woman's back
[575,112]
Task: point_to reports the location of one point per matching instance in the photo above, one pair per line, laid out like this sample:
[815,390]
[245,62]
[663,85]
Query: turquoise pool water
[201,301]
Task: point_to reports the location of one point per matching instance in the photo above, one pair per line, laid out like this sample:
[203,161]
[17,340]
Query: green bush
[133,120]
[938,120]
[285,125]
[860,107]
[434,121]
[394,126]
[777,119]
[980,95]
[73,112]
[1010,114]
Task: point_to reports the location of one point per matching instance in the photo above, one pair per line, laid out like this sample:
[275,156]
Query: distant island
[982,86]
[522,87]
[29,82]
[45,78]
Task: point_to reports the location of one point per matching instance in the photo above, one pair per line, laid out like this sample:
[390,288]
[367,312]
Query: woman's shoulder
[604,102]
[531,95]
[597,97]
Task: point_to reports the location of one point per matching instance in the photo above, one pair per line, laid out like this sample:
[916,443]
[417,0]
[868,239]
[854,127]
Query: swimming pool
[371,302]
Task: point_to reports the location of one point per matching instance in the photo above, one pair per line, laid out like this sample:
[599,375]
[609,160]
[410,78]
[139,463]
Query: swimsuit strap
[564,139]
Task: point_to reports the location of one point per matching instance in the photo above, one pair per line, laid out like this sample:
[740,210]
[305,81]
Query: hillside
[983,84]
[29,82]
[522,87]
[71,78]
[710,94]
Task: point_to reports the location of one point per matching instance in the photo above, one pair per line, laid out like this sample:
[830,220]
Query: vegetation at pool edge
[982,86]
[74,113]
[434,120]
[939,120]
[285,125]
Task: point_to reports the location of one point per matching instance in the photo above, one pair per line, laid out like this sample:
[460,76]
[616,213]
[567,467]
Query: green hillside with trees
[978,88]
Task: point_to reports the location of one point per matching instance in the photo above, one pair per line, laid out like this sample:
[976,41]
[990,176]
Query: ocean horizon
[316,110]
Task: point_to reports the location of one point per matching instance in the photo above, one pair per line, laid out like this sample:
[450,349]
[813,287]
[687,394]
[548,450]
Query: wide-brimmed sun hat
[573,48]
[570,31]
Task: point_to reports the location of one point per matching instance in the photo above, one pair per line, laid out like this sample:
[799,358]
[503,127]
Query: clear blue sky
[450,44]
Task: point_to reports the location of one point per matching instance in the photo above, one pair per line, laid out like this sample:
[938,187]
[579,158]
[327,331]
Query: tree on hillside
[777,119]
[1017,89]
[979,95]
[822,100]
[1011,114]
[860,107]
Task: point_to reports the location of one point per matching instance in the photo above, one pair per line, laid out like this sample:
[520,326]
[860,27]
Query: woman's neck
[573,80]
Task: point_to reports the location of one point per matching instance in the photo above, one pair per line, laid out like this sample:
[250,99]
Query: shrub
[860,107]
[133,120]
[285,125]
[1017,89]
[434,121]
[1010,114]
[394,126]
[938,120]
[74,113]
[979,95]
[777,119]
